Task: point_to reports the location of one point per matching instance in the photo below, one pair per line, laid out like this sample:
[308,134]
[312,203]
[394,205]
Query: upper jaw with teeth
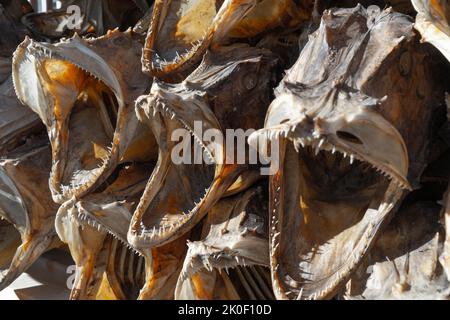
[71,79]
[161,112]
[351,145]
[233,19]
[205,97]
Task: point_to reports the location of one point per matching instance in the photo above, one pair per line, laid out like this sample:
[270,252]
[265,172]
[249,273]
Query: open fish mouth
[193,171]
[95,229]
[327,205]
[182,31]
[83,106]
[175,190]
[343,168]
[99,249]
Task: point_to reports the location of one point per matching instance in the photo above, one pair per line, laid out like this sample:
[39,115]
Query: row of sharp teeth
[83,219]
[158,62]
[318,143]
[165,111]
[94,175]
[251,280]
[43,52]
[161,231]
[66,190]
[206,263]
[354,258]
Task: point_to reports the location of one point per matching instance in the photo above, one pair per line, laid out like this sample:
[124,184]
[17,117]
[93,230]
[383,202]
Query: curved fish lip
[325,143]
[77,52]
[321,133]
[433,24]
[229,14]
[109,211]
[88,213]
[298,134]
[204,258]
[305,135]
[326,287]
[162,108]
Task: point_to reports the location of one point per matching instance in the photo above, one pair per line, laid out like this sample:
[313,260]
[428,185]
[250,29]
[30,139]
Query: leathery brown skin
[96,18]
[84,92]
[433,23]
[178,195]
[95,229]
[404,261]
[232,259]
[353,135]
[175,45]
[27,212]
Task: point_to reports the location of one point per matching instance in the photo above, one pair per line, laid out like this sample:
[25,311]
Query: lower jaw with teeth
[84,143]
[326,214]
[169,207]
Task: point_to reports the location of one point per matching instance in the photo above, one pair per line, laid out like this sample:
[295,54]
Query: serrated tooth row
[157,62]
[159,232]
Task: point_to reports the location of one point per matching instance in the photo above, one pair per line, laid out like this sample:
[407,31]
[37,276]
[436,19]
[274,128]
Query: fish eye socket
[344,135]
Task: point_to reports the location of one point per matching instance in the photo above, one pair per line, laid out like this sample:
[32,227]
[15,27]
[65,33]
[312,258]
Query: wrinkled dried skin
[433,23]
[84,92]
[403,263]
[97,17]
[27,212]
[182,31]
[353,119]
[178,195]
[230,262]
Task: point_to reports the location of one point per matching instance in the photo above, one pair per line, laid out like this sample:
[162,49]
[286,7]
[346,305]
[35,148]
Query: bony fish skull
[352,118]
[84,90]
